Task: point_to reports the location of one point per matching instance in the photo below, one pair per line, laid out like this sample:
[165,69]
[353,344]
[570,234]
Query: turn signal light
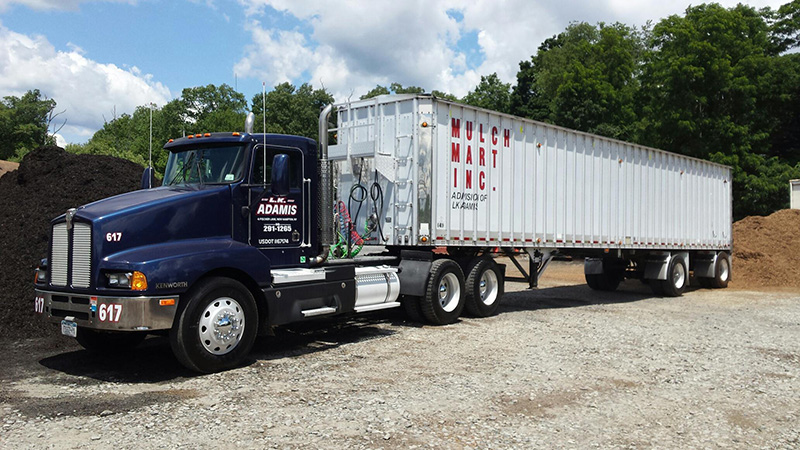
[138,281]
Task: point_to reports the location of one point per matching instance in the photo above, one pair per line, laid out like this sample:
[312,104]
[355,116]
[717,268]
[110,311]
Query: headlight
[119,280]
[40,274]
[135,281]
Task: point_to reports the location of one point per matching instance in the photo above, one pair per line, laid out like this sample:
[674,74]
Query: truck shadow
[150,362]
[153,362]
[574,296]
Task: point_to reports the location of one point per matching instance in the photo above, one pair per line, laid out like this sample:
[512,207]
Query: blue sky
[98,58]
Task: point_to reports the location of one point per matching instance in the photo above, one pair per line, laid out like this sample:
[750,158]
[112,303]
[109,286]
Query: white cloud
[87,91]
[46,5]
[354,45]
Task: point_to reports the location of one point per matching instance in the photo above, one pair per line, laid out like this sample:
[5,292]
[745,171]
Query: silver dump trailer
[438,174]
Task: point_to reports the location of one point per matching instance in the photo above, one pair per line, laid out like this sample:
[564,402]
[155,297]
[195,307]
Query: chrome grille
[81,255]
[59,261]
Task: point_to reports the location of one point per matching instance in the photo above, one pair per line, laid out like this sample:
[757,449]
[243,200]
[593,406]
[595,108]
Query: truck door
[277,222]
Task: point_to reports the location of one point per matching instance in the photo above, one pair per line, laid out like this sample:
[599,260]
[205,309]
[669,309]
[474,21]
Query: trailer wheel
[677,278]
[606,281]
[104,342]
[216,326]
[444,296]
[722,271]
[484,288]
[412,308]
[707,283]
[657,286]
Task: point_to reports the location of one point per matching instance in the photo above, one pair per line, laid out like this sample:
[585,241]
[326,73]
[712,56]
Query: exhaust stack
[325,189]
[249,122]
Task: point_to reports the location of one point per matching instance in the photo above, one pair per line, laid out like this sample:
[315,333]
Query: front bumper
[108,313]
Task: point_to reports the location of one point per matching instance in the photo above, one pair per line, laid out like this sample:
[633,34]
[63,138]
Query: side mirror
[148,178]
[280,175]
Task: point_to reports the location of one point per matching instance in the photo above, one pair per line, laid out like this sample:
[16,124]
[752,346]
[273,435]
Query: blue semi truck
[250,231]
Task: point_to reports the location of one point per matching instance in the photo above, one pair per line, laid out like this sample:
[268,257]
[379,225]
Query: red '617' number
[109,312]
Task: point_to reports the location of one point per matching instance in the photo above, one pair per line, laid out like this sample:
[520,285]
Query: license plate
[69,328]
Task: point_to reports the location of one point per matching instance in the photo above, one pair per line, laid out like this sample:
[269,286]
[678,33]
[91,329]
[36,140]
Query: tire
[677,278]
[484,288]
[216,326]
[608,280]
[657,286]
[107,342]
[706,283]
[444,296]
[412,308]
[722,271]
[593,280]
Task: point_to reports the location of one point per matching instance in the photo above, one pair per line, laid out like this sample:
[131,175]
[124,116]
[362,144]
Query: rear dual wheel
[484,288]
[444,295]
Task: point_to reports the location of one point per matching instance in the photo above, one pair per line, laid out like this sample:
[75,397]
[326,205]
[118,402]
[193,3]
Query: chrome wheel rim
[678,276]
[221,326]
[724,271]
[488,287]
[449,292]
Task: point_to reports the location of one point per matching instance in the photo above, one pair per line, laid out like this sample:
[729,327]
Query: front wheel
[444,296]
[216,326]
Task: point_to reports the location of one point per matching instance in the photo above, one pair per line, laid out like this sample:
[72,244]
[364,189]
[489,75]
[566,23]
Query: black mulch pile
[47,183]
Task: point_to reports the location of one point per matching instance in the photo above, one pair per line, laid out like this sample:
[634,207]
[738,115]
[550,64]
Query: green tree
[217,108]
[199,109]
[24,123]
[394,88]
[714,84]
[785,26]
[584,78]
[490,93]
[291,110]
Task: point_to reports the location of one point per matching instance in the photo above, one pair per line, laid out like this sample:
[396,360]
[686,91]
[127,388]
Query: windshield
[206,165]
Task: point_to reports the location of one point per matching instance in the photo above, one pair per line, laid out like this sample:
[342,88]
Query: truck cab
[200,256]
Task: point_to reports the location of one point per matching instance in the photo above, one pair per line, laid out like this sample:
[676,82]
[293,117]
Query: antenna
[150,156]
[264,116]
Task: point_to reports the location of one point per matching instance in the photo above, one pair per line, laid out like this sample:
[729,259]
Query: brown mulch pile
[47,183]
[766,251]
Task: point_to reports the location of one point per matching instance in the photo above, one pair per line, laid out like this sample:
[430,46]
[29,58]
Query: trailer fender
[593,266]
[705,265]
[657,264]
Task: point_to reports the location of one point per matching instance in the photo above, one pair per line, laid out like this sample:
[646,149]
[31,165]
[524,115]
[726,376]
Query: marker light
[138,281]
[207,135]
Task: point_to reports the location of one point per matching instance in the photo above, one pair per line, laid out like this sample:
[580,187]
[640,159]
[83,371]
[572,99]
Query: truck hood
[158,215]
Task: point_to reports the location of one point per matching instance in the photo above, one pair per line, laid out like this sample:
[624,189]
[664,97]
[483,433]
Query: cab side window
[295,165]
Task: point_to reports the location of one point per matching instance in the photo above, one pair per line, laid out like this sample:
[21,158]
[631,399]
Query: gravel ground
[558,367]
